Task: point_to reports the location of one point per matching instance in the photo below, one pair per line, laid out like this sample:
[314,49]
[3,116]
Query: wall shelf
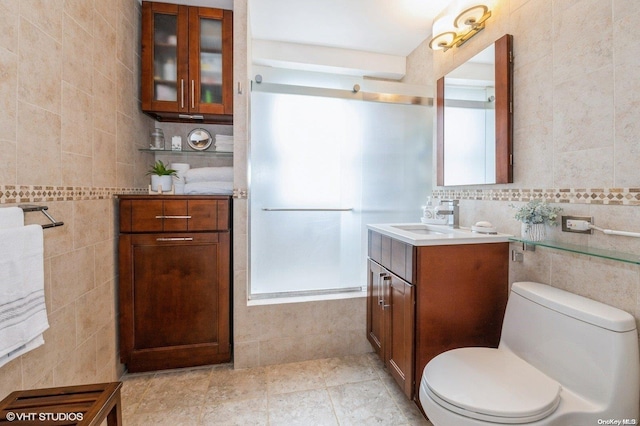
[170,152]
[580,249]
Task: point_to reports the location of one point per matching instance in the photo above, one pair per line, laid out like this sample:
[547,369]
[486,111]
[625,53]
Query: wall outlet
[578,224]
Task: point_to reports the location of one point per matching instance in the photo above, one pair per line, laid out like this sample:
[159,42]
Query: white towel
[212,188]
[209,174]
[11,217]
[23,315]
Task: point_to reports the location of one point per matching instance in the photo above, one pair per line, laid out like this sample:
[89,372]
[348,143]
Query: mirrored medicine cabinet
[474,119]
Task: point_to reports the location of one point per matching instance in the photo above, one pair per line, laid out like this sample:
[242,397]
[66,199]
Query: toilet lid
[491,384]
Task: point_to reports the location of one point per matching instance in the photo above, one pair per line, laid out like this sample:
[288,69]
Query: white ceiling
[393,27]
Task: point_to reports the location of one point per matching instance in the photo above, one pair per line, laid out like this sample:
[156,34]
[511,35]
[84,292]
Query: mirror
[199,139]
[474,107]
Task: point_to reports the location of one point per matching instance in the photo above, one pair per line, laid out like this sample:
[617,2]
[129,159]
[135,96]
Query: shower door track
[354,94]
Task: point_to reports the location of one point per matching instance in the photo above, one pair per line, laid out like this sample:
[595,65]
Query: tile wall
[70,127]
[576,135]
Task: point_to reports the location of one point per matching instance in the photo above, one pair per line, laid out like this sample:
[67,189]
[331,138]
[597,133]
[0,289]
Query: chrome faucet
[451,209]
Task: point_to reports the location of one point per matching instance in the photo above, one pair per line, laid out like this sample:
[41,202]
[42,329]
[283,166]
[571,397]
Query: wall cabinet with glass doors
[187,63]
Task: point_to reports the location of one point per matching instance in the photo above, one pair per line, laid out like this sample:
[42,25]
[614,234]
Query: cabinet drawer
[179,215]
[396,256]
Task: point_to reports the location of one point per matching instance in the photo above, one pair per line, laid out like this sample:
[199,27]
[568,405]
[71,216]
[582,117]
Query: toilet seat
[491,385]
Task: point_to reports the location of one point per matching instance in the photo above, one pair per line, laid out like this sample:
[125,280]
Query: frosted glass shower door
[321,169]
[304,193]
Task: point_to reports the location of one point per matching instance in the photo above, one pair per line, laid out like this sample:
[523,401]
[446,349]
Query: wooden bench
[84,405]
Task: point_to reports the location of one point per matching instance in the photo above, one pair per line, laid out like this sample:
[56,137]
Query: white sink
[419,234]
[419,228]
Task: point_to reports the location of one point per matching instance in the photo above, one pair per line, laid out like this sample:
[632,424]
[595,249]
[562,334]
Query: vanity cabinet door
[390,323]
[400,312]
[375,295]
[174,300]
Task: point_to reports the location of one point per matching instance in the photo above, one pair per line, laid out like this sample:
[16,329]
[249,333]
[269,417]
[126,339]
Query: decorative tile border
[601,196]
[19,194]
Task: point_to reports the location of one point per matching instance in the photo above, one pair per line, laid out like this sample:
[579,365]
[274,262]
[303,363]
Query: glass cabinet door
[210,64]
[210,61]
[187,62]
[165,57]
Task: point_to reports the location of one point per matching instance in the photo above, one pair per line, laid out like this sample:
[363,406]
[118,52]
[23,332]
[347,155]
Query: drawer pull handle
[173,217]
[174,239]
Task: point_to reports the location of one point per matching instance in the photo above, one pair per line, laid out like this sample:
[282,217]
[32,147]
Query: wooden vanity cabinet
[174,281]
[390,307]
[187,63]
[458,297]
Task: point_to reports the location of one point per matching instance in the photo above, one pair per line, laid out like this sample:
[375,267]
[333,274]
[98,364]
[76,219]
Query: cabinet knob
[174,239]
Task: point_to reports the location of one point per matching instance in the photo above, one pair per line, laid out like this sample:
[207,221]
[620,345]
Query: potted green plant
[535,216]
[161,177]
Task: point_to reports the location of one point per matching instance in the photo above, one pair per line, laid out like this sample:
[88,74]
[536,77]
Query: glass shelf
[575,248]
[185,152]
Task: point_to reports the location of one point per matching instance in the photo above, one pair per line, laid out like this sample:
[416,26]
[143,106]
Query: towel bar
[35,208]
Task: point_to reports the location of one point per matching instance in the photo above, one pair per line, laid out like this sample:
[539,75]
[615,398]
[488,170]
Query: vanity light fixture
[458,23]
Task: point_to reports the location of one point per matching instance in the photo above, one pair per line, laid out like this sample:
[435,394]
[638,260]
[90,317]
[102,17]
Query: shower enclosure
[323,164]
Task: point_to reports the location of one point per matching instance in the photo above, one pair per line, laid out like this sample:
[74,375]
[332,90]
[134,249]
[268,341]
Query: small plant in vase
[535,216]
[161,177]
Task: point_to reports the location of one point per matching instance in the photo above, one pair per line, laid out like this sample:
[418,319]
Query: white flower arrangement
[537,211]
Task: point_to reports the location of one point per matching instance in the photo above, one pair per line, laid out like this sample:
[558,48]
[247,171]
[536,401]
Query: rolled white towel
[202,188]
[209,174]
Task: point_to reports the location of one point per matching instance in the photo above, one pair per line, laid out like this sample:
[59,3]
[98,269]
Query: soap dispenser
[427,211]
[430,214]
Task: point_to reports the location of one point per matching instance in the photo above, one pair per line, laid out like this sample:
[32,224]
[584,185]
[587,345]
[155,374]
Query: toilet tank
[590,348]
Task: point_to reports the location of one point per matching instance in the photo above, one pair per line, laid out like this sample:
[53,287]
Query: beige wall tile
[586,168]
[11,378]
[106,10]
[75,169]
[69,283]
[39,157]
[126,92]
[126,133]
[81,11]
[579,49]
[104,46]
[77,121]
[9,156]
[104,103]
[104,160]
[8,94]
[77,56]
[39,67]
[87,230]
[583,111]
[63,332]
[124,41]
[533,44]
[45,14]
[9,12]
[94,310]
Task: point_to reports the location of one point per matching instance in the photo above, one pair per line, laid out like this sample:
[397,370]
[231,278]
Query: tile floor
[352,390]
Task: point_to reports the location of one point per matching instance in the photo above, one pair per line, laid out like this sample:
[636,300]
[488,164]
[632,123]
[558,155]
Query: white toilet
[562,360]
